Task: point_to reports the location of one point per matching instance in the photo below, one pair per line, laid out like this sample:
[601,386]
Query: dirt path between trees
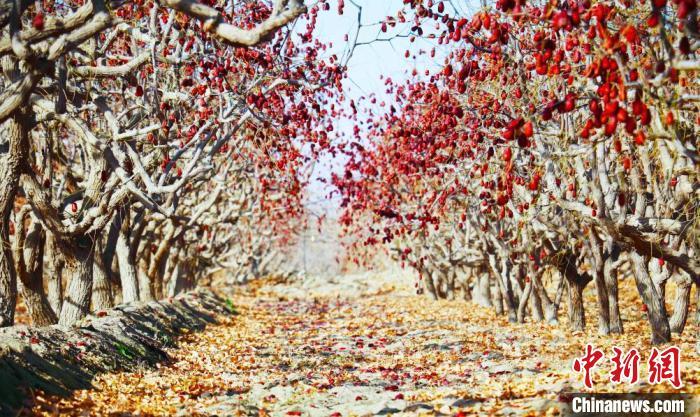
[300,350]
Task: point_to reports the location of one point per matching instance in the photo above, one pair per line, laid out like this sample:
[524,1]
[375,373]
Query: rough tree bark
[429,284]
[451,275]
[145,289]
[182,281]
[551,308]
[536,306]
[127,267]
[467,273]
[55,280]
[610,273]
[659,276]
[681,304]
[576,283]
[28,254]
[596,249]
[524,298]
[109,258]
[577,315]
[102,297]
[497,297]
[156,267]
[174,285]
[517,278]
[16,130]
[79,254]
[504,284]
[656,310]
[535,300]
[482,295]
[143,257]
[439,282]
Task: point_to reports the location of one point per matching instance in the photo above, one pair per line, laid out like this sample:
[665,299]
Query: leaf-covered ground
[303,350]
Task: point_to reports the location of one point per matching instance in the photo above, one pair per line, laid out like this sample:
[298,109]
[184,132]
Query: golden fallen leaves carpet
[382,353]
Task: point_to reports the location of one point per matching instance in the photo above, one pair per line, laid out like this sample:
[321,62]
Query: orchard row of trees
[148,143]
[556,148]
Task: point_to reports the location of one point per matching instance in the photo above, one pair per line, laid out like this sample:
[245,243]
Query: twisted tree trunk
[429,284]
[464,284]
[536,306]
[497,296]
[482,295]
[145,289]
[504,284]
[109,258]
[596,248]
[524,298]
[648,290]
[656,310]
[535,300]
[550,308]
[16,130]
[127,267]
[28,253]
[681,304]
[440,284]
[102,297]
[577,314]
[156,268]
[55,280]
[79,254]
[610,274]
[576,283]
[451,276]
[183,279]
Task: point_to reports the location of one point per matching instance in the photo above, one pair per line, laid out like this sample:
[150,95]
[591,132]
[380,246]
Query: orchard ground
[365,345]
